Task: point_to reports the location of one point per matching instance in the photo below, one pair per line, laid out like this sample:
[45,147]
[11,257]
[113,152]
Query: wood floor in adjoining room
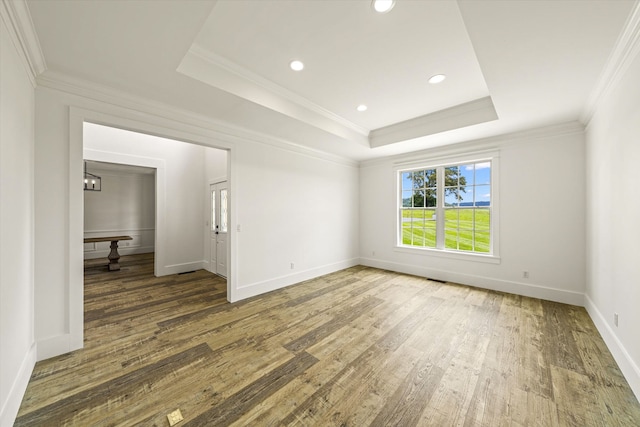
[354,348]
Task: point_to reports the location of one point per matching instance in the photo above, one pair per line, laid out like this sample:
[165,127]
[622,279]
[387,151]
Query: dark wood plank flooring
[358,347]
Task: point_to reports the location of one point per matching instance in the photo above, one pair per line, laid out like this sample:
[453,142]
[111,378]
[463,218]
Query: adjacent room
[119,201]
[368,212]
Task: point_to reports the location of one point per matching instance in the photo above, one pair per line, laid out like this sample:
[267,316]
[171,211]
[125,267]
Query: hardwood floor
[358,347]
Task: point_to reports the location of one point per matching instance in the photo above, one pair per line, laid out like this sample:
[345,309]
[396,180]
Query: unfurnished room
[319,213]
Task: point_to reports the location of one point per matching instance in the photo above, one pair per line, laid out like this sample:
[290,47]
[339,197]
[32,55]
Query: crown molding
[456,117]
[222,74]
[222,130]
[626,49]
[17,18]
[481,145]
[244,73]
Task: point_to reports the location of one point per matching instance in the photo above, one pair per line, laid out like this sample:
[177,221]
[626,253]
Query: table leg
[114,257]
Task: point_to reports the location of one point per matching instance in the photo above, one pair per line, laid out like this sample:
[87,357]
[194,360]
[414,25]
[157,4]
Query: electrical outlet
[373,253]
[292,266]
[615,319]
[175,417]
[525,274]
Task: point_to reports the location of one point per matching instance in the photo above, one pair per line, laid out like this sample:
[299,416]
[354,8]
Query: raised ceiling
[510,65]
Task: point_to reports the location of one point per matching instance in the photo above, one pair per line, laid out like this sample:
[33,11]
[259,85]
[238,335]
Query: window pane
[483,195]
[465,239]
[465,218]
[427,228]
[465,196]
[451,176]
[213,210]
[430,238]
[451,239]
[223,211]
[418,198]
[431,198]
[430,178]
[406,198]
[406,233]
[481,241]
[407,181]
[451,220]
[417,227]
[482,219]
[406,226]
[466,174]
[451,196]
[418,179]
[483,173]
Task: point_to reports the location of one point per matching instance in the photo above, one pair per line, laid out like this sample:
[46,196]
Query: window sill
[461,256]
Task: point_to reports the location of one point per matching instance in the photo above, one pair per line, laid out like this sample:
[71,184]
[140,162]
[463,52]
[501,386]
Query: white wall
[215,166]
[124,207]
[541,217]
[613,229]
[17,344]
[292,208]
[292,205]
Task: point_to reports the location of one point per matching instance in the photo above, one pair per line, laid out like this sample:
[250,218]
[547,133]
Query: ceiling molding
[17,18]
[463,115]
[484,144]
[223,74]
[267,84]
[221,130]
[118,169]
[626,49]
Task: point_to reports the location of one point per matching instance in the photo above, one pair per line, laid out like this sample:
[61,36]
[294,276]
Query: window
[223,210]
[219,224]
[213,210]
[447,207]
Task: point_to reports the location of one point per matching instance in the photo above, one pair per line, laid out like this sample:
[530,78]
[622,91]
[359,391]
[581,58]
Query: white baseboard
[180,268]
[258,288]
[122,251]
[627,365]
[524,289]
[10,407]
[57,345]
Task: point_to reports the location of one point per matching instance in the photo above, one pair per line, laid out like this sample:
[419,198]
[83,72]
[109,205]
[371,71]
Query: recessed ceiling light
[296,65]
[438,78]
[362,107]
[383,6]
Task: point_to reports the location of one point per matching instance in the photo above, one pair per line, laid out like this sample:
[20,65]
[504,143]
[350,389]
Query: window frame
[493,256]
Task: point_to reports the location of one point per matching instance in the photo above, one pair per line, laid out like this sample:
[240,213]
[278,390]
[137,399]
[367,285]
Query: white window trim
[494,256]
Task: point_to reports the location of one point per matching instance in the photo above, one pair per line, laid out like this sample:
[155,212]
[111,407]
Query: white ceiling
[511,65]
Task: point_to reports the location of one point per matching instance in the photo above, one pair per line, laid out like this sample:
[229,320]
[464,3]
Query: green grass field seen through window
[465,229]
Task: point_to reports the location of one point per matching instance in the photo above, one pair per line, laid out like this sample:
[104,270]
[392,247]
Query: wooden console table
[114,256]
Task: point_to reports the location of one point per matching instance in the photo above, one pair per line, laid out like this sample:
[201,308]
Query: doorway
[219,213]
[112,151]
[123,206]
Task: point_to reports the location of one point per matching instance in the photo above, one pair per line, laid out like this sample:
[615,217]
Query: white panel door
[219,225]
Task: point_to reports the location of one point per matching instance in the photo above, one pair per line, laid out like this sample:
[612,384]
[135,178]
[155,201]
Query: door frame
[160,192]
[141,122]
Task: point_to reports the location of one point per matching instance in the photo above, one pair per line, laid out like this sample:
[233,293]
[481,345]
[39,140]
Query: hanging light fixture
[91,182]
